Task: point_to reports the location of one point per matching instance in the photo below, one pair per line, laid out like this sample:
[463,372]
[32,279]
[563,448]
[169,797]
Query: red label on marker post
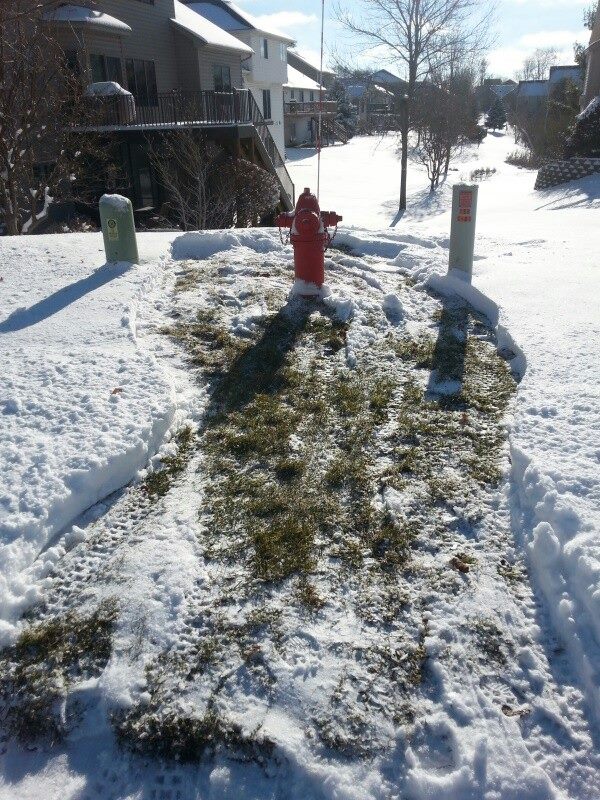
[466,200]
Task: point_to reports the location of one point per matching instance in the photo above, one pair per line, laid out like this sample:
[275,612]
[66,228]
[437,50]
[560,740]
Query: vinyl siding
[152,37]
[209,56]
[187,63]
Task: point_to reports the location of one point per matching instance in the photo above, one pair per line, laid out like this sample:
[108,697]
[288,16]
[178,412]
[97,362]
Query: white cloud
[505,61]
[285,19]
[558,39]
[550,3]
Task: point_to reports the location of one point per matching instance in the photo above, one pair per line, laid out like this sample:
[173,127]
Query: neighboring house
[532,96]
[301,97]
[592,80]
[265,70]
[503,90]
[310,69]
[180,70]
[370,99]
[387,79]
[572,72]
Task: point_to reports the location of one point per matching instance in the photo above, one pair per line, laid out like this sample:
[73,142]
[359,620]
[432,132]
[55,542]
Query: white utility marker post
[462,232]
[118,229]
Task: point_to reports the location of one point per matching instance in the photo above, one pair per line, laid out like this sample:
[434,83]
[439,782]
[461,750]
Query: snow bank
[83,402]
[203,244]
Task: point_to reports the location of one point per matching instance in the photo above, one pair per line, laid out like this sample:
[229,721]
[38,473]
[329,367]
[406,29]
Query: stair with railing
[268,147]
[332,129]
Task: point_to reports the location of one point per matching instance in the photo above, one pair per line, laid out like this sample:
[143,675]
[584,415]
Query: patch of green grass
[172,734]
[391,543]
[347,395]
[490,640]
[35,674]
[308,596]
[158,483]
[381,392]
[283,546]
[288,469]
[512,573]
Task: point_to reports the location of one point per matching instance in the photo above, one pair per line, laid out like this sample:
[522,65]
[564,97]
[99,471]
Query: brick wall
[565,171]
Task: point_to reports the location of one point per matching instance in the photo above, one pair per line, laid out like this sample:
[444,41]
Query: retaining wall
[565,171]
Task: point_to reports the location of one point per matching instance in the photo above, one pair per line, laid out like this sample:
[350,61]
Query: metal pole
[320,102]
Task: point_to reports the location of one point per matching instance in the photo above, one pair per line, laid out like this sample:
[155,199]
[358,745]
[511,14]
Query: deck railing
[185,109]
[296,107]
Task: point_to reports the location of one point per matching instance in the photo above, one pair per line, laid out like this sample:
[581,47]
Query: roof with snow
[310,63]
[78,15]
[385,76]
[230,17]
[502,90]
[358,90]
[296,80]
[571,72]
[205,31]
[533,88]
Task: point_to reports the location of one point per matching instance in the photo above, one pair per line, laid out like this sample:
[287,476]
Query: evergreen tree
[496,117]
[585,140]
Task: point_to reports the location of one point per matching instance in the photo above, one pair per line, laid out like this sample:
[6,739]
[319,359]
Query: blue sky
[521,26]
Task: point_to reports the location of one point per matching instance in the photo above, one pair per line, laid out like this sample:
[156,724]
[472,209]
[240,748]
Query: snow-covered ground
[83,403]
[508,708]
[538,258]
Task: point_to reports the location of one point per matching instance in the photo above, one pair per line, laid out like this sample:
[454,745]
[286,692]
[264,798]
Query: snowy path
[83,404]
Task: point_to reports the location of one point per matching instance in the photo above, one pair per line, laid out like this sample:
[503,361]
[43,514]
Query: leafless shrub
[205,187]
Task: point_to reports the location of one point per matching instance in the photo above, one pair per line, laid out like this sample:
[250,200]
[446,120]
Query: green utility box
[462,233]
[118,229]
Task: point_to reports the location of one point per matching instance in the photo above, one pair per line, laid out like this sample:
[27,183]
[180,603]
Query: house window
[312,96]
[293,94]
[265,48]
[301,95]
[141,80]
[105,68]
[283,52]
[72,62]
[266,103]
[221,78]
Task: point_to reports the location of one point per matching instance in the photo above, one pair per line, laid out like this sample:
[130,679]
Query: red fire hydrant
[309,236]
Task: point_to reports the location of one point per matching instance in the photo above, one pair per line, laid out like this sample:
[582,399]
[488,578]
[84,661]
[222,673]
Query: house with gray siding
[264,71]
[174,68]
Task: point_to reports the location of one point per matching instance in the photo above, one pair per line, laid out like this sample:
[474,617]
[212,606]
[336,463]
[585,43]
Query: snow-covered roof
[230,17]
[206,31]
[573,72]
[385,76]
[310,63]
[533,88]
[502,90]
[358,90]
[78,15]
[296,80]
[590,109]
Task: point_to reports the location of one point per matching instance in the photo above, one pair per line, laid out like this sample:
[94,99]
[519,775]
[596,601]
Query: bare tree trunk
[404,163]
